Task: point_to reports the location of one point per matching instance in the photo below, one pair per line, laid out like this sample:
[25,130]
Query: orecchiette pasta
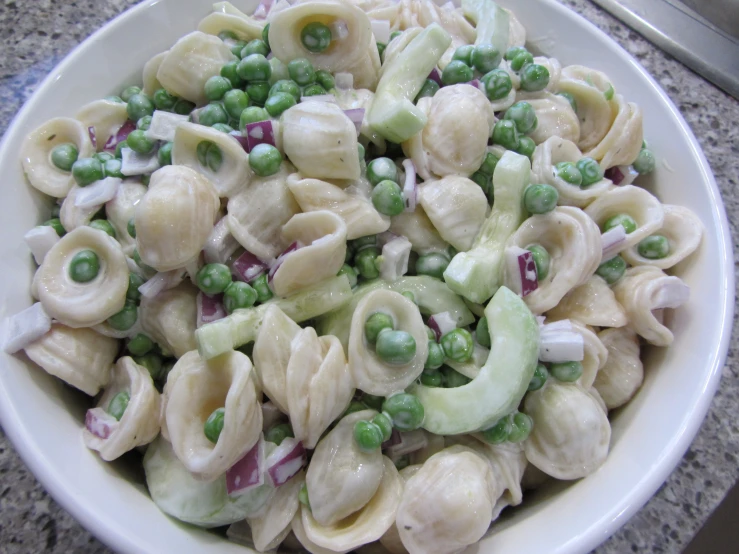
[121,209]
[139,424]
[149,74]
[36,154]
[555,118]
[370,373]
[73,216]
[415,13]
[625,137]
[683,231]
[79,357]
[573,242]
[419,230]
[571,433]
[244,27]
[595,352]
[273,524]
[175,217]
[83,304]
[592,303]
[105,117]
[194,388]
[623,373]
[170,318]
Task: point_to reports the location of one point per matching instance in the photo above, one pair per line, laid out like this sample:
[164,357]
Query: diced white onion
[556,326]
[162,281]
[138,164]
[672,293]
[442,323]
[612,242]
[285,461]
[339,30]
[221,244]
[40,240]
[344,81]
[23,328]
[164,125]
[410,188]
[381,30]
[319,98]
[563,346]
[98,193]
[395,255]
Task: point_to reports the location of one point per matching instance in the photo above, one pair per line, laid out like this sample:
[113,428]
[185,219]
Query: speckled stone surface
[37,34]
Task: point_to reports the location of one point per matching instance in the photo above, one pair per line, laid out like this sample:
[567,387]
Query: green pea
[129,92]
[526,146]
[394,35]
[523,116]
[568,172]
[239,295]
[432,378]
[382,169]
[214,425]
[230,72]
[261,286]
[278,103]
[497,84]
[325,79]
[354,406]
[435,357]
[569,372]
[485,58]
[365,263]
[316,37]
[433,265]
[139,106]
[265,35]
[252,114]
[303,494]
[258,92]
[286,86]
[56,224]
[402,462]
[131,228]
[212,114]
[381,50]
[542,260]
[165,101]
[654,247]
[372,401]
[409,295]
[84,267]
[125,319]
[227,35]
[139,142]
[165,154]
[214,278]
[184,107]
[458,345]
[385,424]
[590,170]
[489,164]
[142,124]
[153,364]
[256,46]
[118,405]
[351,274]
[506,134]
[139,262]
[314,90]
[429,88]
[430,333]
[387,198]
[235,101]
[464,54]
[645,162]
[521,426]
[140,345]
[395,347]
[534,77]
[87,170]
[482,332]
[612,270]
[265,160]
[116,99]
[364,242]
[113,168]
[453,379]
[301,71]
[541,374]
[571,99]
[628,222]
[209,155]
[513,51]
[119,149]
[405,410]
[498,433]
[540,199]
[104,226]
[64,156]
[279,433]
[484,181]
[237,47]
[367,435]
[521,60]
[255,67]
[375,324]
[56,209]
[456,72]
[103,157]
[134,282]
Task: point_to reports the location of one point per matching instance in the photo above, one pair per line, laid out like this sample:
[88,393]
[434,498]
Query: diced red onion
[614,174]
[100,423]
[319,98]
[395,255]
[521,271]
[263,9]
[339,30]
[381,30]
[281,258]
[221,244]
[209,308]
[138,164]
[435,76]
[393,440]
[23,328]
[162,281]
[344,81]
[561,346]
[98,193]
[409,442]
[621,175]
[40,240]
[248,472]
[241,139]
[442,323]
[410,187]
[271,415]
[612,242]
[261,132]
[475,83]
[672,293]
[248,267]
[93,137]
[285,461]
[164,124]
[540,319]
[120,135]
[356,115]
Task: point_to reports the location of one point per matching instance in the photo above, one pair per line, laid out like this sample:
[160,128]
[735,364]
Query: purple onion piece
[210,308]
[615,175]
[120,135]
[93,137]
[241,139]
[100,423]
[356,116]
[527,271]
[281,258]
[261,132]
[285,462]
[435,76]
[248,472]
[247,267]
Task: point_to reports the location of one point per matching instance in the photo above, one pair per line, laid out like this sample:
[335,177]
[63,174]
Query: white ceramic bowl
[44,419]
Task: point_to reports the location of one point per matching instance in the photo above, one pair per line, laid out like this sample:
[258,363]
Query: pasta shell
[234,171]
[121,209]
[595,358]
[422,13]
[571,433]
[623,373]
[83,304]
[305,542]
[574,245]
[79,357]
[324,235]
[194,389]
[682,229]
[73,216]
[105,116]
[170,318]
[175,217]
[370,373]
[555,118]
[353,99]
[446,505]
[36,154]
[591,304]
[413,148]
[341,478]
[457,207]
[193,60]
[140,422]
[418,229]
[244,27]
[273,524]
[149,74]
[624,140]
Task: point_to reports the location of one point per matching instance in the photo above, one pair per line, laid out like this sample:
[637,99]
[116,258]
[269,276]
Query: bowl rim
[114,535]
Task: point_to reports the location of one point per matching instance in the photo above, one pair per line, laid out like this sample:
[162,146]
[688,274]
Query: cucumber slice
[492,22]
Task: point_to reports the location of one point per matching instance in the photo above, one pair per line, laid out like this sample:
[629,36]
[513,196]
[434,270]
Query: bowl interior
[44,418]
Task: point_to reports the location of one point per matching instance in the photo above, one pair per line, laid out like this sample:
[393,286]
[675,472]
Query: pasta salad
[351,274]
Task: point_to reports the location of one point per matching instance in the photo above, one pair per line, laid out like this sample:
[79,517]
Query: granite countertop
[37,34]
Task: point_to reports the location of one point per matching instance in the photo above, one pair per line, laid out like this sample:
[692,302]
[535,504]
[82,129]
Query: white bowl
[44,419]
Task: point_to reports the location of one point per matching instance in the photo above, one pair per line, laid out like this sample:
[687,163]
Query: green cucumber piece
[492,22]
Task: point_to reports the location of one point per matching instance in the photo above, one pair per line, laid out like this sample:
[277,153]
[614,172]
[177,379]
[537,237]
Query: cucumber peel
[492,22]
